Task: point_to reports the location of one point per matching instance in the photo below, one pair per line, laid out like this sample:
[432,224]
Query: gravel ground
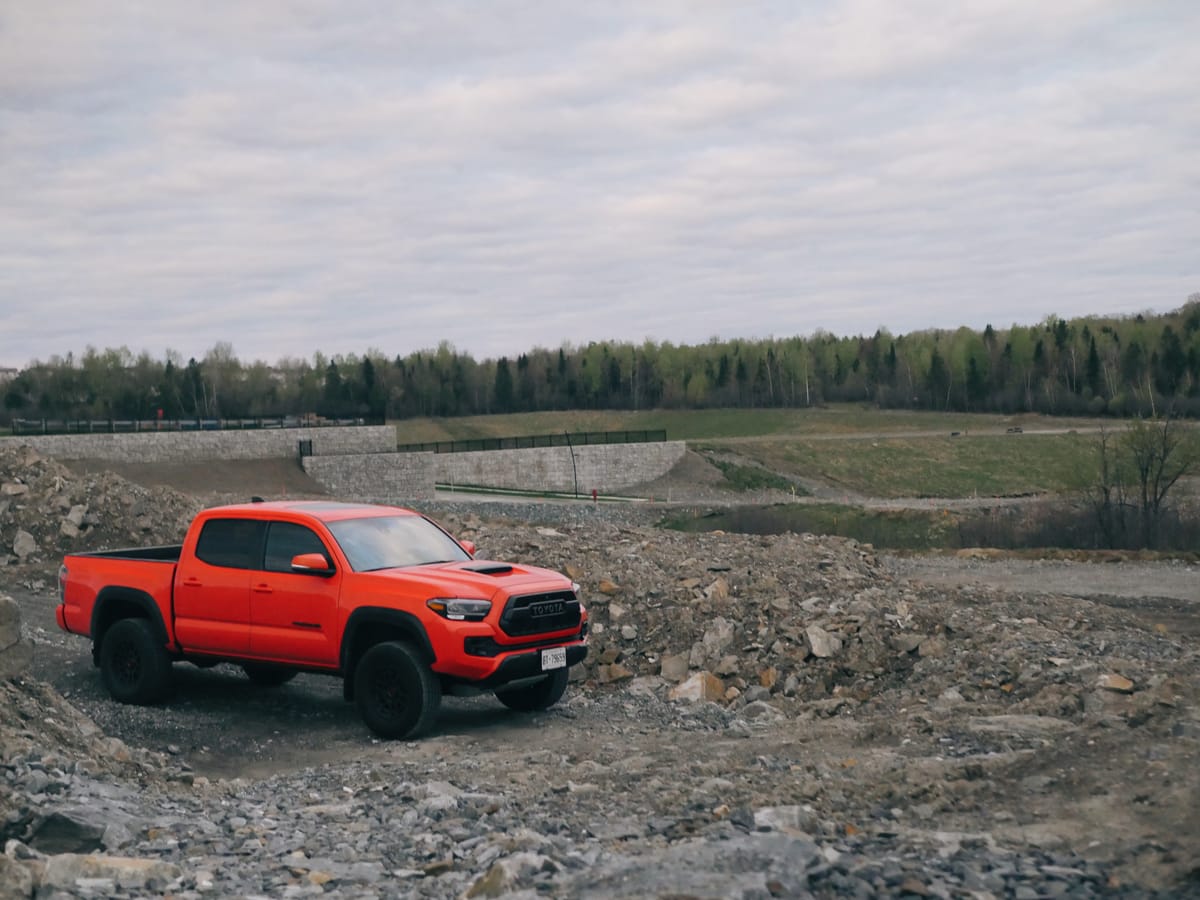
[887,726]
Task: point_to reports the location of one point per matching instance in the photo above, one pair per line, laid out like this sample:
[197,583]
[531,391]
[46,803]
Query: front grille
[488,647]
[540,613]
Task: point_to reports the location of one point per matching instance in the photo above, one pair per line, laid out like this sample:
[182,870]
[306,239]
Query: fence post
[574,471]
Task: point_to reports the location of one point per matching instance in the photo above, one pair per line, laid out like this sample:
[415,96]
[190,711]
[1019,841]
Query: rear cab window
[232,543]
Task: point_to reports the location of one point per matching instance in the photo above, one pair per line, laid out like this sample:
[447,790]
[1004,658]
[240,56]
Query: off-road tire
[266,675]
[134,664]
[395,692]
[537,696]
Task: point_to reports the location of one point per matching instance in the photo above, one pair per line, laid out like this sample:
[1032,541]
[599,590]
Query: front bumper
[524,664]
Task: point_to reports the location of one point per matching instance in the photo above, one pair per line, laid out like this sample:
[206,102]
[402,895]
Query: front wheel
[395,692]
[134,664]
[537,696]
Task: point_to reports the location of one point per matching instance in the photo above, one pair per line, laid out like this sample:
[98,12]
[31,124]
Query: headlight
[460,609]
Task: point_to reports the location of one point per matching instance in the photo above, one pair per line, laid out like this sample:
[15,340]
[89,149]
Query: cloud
[318,176]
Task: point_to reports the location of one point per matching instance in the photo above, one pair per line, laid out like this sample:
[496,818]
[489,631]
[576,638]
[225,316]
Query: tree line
[1121,366]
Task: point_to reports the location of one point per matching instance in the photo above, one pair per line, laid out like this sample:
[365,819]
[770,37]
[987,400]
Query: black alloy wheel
[395,692]
[134,665]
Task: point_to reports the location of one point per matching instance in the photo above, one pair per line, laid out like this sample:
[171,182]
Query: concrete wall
[605,467]
[188,446]
[358,462]
[374,477]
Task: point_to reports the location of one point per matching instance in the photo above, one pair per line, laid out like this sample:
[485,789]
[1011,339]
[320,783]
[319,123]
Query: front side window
[286,540]
[231,543]
[390,542]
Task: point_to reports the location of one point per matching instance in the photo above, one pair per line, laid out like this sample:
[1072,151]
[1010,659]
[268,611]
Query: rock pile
[57,773]
[819,623]
[733,618]
[47,510]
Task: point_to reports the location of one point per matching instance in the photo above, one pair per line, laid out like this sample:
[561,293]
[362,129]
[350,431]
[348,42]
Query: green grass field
[868,451]
[943,466]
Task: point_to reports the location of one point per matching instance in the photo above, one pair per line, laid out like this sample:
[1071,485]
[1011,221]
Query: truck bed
[135,572]
[167,553]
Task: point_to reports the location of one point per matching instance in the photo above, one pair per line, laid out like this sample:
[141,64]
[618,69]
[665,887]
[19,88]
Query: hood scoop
[488,568]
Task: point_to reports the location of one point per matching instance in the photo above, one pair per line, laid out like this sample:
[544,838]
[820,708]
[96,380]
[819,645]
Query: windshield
[389,542]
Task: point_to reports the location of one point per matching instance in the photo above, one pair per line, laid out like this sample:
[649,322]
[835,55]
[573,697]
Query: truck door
[212,588]
[293,616]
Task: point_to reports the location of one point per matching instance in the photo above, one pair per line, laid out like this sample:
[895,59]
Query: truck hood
[475,578]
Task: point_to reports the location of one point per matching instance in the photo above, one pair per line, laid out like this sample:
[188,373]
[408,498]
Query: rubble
[47,510]
[788,614]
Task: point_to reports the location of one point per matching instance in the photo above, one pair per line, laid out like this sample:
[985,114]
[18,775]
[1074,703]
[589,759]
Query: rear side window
[286,540]
[231,543]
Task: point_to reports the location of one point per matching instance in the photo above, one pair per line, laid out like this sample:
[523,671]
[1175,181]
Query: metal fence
[134,426]
[538,440]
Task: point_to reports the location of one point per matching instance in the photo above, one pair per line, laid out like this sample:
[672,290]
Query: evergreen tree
[938,380]
[1092,368]
[503,386]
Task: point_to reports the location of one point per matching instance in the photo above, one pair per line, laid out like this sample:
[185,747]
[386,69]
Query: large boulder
[16,654]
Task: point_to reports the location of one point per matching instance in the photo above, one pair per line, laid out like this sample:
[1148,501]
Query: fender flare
[373,616]
[112,595]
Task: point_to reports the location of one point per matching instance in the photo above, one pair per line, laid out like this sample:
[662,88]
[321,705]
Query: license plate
[554,658]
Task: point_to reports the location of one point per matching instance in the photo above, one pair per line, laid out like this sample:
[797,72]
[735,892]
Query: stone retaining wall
[358,462]
[604,467]
[374,477]
[189,446]
[397,477]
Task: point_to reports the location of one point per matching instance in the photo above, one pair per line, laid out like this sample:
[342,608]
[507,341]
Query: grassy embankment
[864,451]
[848,450]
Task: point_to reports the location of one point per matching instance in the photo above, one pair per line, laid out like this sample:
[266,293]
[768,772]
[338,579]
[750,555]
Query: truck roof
[324,510]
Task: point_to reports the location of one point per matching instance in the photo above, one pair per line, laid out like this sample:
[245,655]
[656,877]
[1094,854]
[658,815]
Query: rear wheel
[395,692]
[537,696]
[268,676]
[134,665]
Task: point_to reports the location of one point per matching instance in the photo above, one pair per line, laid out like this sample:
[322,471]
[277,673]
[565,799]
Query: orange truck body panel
[299,619]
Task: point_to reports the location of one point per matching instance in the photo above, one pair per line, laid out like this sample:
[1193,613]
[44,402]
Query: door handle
[263,589]
[192,582]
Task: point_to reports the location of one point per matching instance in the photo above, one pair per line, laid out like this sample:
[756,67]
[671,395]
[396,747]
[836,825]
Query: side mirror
[469,546]
[311,564]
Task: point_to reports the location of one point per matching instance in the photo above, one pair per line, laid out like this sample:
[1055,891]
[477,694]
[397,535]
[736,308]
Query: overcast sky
[293,176]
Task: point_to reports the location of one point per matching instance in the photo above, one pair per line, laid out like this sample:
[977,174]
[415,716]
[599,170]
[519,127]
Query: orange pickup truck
[381,596]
